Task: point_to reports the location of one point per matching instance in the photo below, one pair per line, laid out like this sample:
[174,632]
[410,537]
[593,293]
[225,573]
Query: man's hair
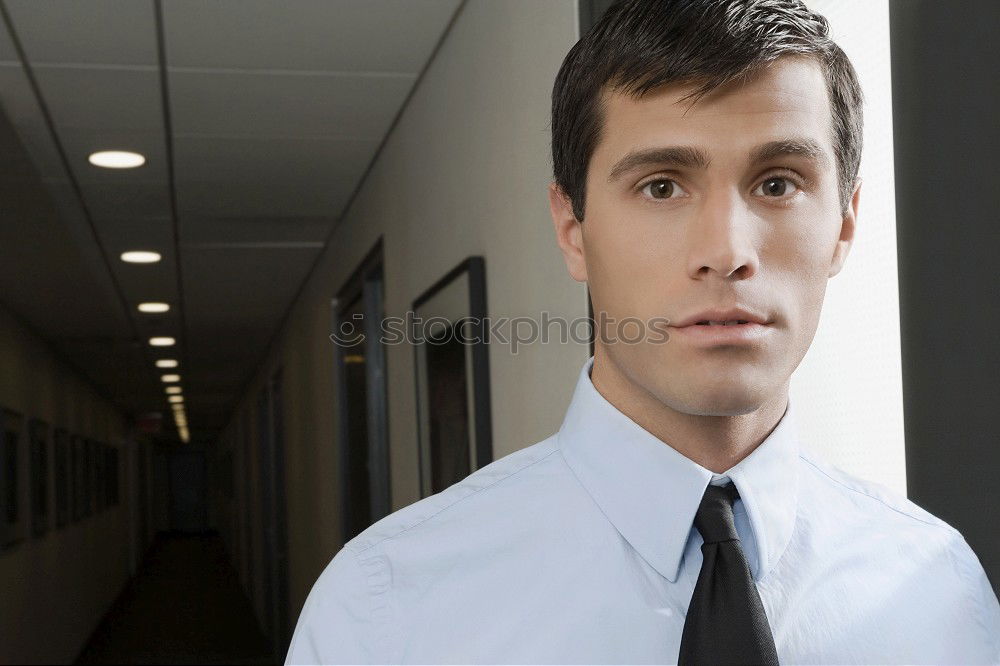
[638,45]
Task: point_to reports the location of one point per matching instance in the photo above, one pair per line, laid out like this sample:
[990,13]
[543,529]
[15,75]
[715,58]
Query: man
[706,157]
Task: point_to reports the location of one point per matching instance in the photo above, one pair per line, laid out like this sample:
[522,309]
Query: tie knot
[714,519]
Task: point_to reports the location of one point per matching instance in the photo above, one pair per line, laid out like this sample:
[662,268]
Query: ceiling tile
[269,177]
[21,107]
[109,32]
[233,286]
[254,104]
[249,199]
[339,35]
[7,51]
[234,230]
[134,198]
[116,100]
[272,160]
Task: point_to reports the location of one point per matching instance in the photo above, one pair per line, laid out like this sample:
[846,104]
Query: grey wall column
[946,102]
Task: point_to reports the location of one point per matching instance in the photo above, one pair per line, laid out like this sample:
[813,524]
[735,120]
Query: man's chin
[706,396]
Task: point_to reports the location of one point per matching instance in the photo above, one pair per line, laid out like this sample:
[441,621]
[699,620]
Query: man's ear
[847,228]
[569,232]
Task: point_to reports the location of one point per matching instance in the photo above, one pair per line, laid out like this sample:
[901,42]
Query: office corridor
[272,271]
[185,606]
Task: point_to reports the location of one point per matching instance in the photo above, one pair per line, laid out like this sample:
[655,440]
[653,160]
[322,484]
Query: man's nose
[721,237]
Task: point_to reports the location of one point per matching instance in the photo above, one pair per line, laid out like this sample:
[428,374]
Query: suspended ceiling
[258,120]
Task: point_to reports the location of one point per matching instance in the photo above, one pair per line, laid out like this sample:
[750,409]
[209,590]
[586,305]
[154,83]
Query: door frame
[367,282]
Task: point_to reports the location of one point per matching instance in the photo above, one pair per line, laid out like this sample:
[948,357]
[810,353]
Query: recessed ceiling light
[117,159]
[175,398]
[154,307]
[141,257]
[166,363]
[162,341]
[170,378]
[171,390]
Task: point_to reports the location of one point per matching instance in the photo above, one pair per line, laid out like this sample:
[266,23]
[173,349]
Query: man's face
[669,238]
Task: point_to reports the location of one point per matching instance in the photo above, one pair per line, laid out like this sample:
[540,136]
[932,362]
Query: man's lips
[723,334]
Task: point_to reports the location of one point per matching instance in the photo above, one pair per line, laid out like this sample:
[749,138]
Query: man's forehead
[790,85]
[787,98]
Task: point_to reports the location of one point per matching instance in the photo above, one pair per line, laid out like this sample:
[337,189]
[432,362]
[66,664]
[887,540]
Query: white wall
[849,386]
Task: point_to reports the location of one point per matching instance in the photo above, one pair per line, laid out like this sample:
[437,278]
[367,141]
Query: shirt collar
[651,492]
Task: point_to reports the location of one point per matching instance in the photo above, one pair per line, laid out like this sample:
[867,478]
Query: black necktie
[725,622]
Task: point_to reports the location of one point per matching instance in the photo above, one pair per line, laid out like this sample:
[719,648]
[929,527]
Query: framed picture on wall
[87,480]
[100,480]
[38,441]
[452,377]
[76,451]
[60,447]
[112,476]
[12,515]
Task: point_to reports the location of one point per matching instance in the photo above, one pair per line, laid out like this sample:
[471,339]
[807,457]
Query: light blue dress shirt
[581,549]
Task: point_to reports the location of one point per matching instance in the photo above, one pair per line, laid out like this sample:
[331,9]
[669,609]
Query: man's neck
[714,442]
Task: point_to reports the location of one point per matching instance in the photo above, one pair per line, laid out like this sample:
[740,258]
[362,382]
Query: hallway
[185,606]
[271,272]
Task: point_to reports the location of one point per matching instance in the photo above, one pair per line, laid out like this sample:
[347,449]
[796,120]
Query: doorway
[359,373]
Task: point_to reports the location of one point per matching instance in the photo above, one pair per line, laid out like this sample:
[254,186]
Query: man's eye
[663,188]
[776,186]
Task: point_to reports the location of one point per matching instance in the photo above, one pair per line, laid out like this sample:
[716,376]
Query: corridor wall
[57,584]
[463,172]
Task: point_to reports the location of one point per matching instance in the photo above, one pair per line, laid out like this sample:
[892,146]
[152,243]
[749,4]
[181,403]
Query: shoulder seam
[359,550]
[946,527]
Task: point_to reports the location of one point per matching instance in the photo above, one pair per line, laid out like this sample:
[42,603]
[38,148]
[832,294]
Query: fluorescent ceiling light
[170,378]
[154,307]
[173,390]
[141,257]
[175,398]
[166,363]
[116,159]
[162,342]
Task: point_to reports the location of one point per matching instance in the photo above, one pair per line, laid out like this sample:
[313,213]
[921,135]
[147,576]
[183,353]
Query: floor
[185,606]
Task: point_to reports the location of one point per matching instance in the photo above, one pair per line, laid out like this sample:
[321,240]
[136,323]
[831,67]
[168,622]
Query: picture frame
[112,476]
[100,478]
[38,443]
[451,361]
[61,474]
[12,507]
[89,447]
[86,476]
[77,450]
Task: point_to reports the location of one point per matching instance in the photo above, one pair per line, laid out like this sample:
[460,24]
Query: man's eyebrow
[677,156]
[807,148]
[693,158]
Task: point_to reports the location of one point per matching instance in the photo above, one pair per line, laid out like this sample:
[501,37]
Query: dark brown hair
[638,45]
